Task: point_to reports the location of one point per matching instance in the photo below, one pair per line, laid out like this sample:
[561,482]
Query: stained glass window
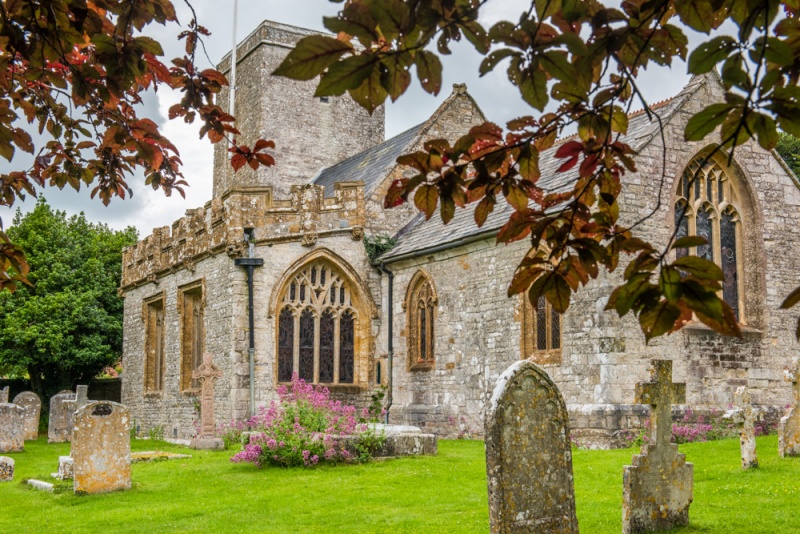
[555,329]
[704,228]
[541,324]
[541,331]
[423,333]
[421,307]
[682,223]
[327,332]
[318,304]
[285,345]
[730,285]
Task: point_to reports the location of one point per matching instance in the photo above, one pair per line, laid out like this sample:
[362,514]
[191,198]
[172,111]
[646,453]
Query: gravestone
[658,488]
[4,395]
[744,417]
[529,455]
[789,428]
[30,403]
[101,448]
[12,428]
[207,374]
[59,428]
[66,468]
[6,469]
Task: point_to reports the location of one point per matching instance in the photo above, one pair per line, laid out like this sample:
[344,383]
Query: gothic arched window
[708,205]
[421,320]
[317,327]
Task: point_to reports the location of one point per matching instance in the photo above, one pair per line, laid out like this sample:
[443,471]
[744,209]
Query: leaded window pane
[541,324]
[682,224]
[706,230]
[285,345]
[710,187]
[327,332]
[730,289]
[306,371]
[555,329]
[685,185]
[347,348]
[431,336]
[423,333]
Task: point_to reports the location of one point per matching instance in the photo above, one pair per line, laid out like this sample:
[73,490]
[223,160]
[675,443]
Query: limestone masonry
[321,308]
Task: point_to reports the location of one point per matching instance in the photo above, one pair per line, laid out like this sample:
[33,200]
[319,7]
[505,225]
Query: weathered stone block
[101,448]
[528,455]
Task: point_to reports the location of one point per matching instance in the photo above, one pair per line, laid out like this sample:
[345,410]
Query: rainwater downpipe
[250,262]
[390,344]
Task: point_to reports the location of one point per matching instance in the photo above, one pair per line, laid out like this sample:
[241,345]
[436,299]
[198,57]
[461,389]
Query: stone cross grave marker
[744,417]
[789,428]
[30,403]
[529,455]
[658,487]
[4,395]
[101,448]
[12,428]
[207,373]
[59,427]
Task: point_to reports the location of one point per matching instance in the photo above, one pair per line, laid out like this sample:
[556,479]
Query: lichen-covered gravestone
[6,469]
[4,395]
[789,429]
[101,448]
[207,374]
[529,455]
[30,403]
[658,488]
[59,427]
[12,428]
[744,417]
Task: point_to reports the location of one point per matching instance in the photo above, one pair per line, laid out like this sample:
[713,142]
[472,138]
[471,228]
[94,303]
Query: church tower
[310,133]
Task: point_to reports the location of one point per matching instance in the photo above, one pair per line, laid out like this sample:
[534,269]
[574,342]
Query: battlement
[219,227]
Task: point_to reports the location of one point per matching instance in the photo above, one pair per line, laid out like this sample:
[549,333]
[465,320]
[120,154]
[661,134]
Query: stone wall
[309,134]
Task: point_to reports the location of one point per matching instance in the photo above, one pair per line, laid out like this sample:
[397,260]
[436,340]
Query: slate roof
[370,166]
[433,234]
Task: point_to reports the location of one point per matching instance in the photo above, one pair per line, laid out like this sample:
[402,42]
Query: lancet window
[708,206]
[541,331]
[317,327]
[191,303]
[421,316]
[154,344]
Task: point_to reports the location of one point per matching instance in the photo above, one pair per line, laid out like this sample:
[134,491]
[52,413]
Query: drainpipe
[250,263]
[390,347]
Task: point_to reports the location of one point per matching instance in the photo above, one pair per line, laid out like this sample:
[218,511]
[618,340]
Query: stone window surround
[147,305]
[186,369]
[420,283]
[528,340]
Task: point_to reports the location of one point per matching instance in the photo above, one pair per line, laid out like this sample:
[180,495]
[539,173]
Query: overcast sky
[147,209]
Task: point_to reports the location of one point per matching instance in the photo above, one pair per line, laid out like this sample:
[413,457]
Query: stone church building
[431,318]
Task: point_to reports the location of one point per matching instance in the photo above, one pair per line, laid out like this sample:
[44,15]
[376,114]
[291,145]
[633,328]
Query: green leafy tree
[66,326]
[789,148]
[576,63]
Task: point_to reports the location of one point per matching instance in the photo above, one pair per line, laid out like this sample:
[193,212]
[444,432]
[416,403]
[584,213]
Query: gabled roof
[427,236]
[370,166]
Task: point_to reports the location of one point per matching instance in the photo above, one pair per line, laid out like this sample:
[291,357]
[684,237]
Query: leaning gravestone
[789,428]
[658,488]
[12,428]
[59,428]
[744,417]
[101,448]
[29,401]
[528,455]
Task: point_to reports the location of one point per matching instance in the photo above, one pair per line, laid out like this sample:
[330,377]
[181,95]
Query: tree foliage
[789,148]
[75,72]
[580,59]
[67,325]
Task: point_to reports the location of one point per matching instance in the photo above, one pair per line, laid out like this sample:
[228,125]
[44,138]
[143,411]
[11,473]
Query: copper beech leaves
[76,72]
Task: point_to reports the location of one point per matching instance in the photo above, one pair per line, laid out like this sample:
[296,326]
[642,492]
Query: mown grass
[446,493]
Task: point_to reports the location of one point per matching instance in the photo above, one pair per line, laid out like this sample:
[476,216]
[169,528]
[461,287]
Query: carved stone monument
[30,403]
[207,374]
[658,488]
[101,448]
[744,417]
[4,395]
[12,428]
[528,455]
[6,469]
[59,428]
[789,429]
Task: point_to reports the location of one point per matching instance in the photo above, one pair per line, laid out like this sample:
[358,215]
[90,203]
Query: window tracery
[541,331]
[420,306]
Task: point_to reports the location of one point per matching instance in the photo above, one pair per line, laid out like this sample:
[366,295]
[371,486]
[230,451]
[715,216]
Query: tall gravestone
[12,428]
[529,455]
[59,427]
[789,428]
[744,417]
[207,374]
[30,403]
[658,488]
[101,448]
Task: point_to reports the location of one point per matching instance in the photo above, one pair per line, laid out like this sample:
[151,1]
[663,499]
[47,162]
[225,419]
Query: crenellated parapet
[218,227]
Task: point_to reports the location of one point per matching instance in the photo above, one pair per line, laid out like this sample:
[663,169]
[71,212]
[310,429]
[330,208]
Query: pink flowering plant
[305,427]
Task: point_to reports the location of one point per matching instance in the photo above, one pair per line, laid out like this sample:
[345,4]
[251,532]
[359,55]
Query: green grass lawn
[446,493]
